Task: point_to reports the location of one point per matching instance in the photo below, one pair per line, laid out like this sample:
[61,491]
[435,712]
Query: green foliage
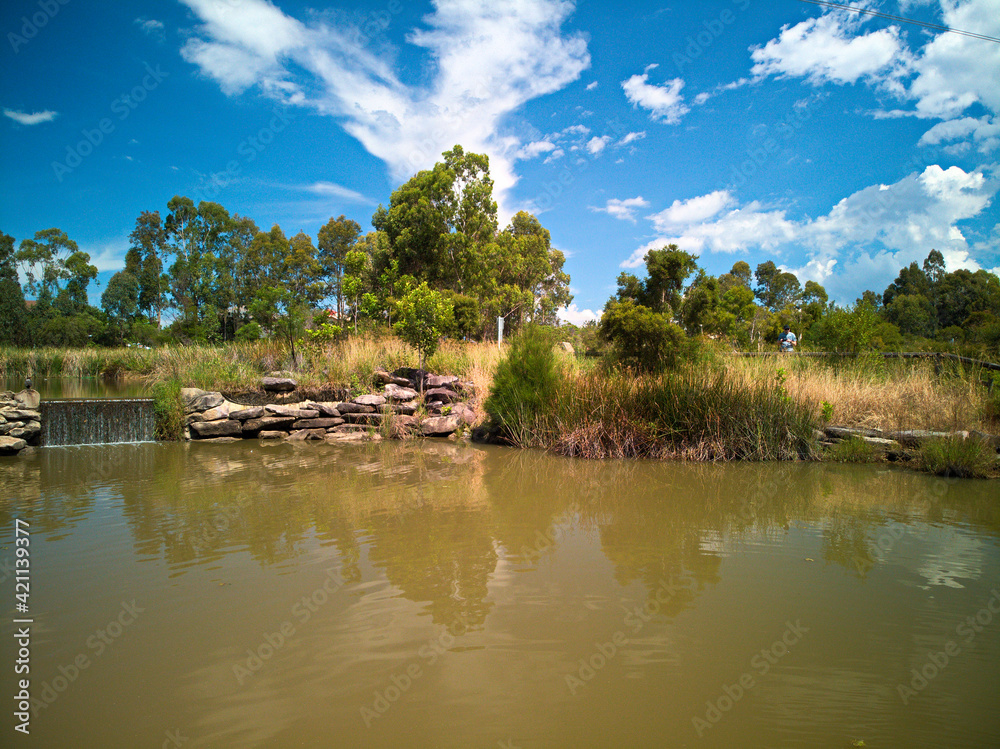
[168,410]
[525,387]
[423,317]
[827,410]
[854,450]
[252,331]
[641,338]
[962,458]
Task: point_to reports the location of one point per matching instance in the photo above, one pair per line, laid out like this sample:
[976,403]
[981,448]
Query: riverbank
[718,407]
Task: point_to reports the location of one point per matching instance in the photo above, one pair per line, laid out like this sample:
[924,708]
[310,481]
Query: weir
[97,421]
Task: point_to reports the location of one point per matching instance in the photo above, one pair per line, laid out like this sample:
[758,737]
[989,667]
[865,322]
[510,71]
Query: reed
[960,457]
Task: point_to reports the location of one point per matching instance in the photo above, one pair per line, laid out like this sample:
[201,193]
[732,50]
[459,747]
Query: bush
[854,450]
[525,386]
[958,457]
[640,338]
[168,412]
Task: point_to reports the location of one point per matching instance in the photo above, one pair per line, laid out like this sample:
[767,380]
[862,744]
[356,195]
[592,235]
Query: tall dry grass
[875,393]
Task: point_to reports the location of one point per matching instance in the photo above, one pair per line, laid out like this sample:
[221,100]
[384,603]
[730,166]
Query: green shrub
[854,450]
[525,387]
[958,457]
[640,338]
[168,410]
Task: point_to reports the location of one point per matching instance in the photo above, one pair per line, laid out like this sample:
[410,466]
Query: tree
[149,240]
[13,311]
[699,310]
[120,301]
[911,280]
[277,310]
[423,315]
[776,289]
[667,270]
[336,239]
[639,337]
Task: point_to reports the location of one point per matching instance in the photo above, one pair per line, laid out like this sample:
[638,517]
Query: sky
[841,146]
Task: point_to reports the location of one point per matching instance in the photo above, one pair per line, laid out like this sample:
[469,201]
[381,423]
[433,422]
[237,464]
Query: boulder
[245,414]
[195,399]
[440,381]
[413,376]
[220,428]
[278,384]
[267,423]
[29,398]
[20,414]
[302,435]
[374,401]
[385,378]
[406,409]
[883,444]
[915,437]
[269,434]
[222,440]
[337,437]
[348,429]
[212,414]
[845,433]
[404,422]
[399,394]
[439,426]
[328,410]
[465,413]
[11,445]
[441,395]
[354,408]
[317,423]
[297,413]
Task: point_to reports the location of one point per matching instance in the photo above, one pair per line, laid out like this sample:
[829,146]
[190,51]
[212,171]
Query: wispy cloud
[152,27]
[623,210]
[664,103]
[488,60]
[333,190]
[34,118]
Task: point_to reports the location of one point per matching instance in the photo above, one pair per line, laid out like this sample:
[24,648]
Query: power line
[879,14]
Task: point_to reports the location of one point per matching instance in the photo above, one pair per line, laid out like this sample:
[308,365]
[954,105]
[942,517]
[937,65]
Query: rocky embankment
[410,403]
[20,421]
[897,445]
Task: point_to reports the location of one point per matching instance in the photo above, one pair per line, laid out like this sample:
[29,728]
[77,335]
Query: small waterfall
[97,421]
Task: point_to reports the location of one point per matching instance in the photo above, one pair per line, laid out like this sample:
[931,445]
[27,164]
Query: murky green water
[437,595]
[66,388]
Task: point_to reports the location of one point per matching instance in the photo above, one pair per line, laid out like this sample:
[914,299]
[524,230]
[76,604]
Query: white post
[499,331]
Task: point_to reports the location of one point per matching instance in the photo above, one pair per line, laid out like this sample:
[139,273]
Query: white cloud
[534,149]
[151,27]
[35,118]
[665,103]
[623,210]
[333,190]
[866,237]
[632,137]
[487,61]
[984,132]
[822,50]
[597,144]
[576,316]
[684,212]
[592,86]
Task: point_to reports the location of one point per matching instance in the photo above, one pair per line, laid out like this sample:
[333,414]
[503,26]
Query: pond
[432,594]
[69,388]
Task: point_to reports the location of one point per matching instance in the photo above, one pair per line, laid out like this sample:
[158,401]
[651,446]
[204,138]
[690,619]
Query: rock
[278,384]
[992,439]
[466,387]
[328,410]
[6,426]
[406,409]
[195,399]
[404,422]
[272,435]
[354,408]
[399,394]
[348,429]
[220,428]
[440,395]
[29,398]
[567,347]
[882,444]
[307,434]
[385,378]
[296,413]
[20,414]
[465,413]
[345,437]
[374,401]
[413,376]
[212,414]
[246,414]
[220,440]
[845,433]
[916,437]
[268,423]
[819,435]
[439,426]
[317,423]
[11,445]
[369,419]
[440,381]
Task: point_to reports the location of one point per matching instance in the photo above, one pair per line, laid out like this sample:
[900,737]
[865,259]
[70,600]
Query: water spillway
[97,421]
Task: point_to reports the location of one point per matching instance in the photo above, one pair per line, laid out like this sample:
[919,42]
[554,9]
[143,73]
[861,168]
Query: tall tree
[149,240]
[336,239]
[776,289]
[13,311]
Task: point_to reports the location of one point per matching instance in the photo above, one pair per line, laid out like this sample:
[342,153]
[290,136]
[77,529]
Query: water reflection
[495,573]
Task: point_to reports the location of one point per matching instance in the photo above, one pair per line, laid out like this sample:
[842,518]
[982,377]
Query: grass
[962,458]
[854,450]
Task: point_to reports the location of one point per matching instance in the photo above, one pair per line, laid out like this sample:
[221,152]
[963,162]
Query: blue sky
[838,145]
